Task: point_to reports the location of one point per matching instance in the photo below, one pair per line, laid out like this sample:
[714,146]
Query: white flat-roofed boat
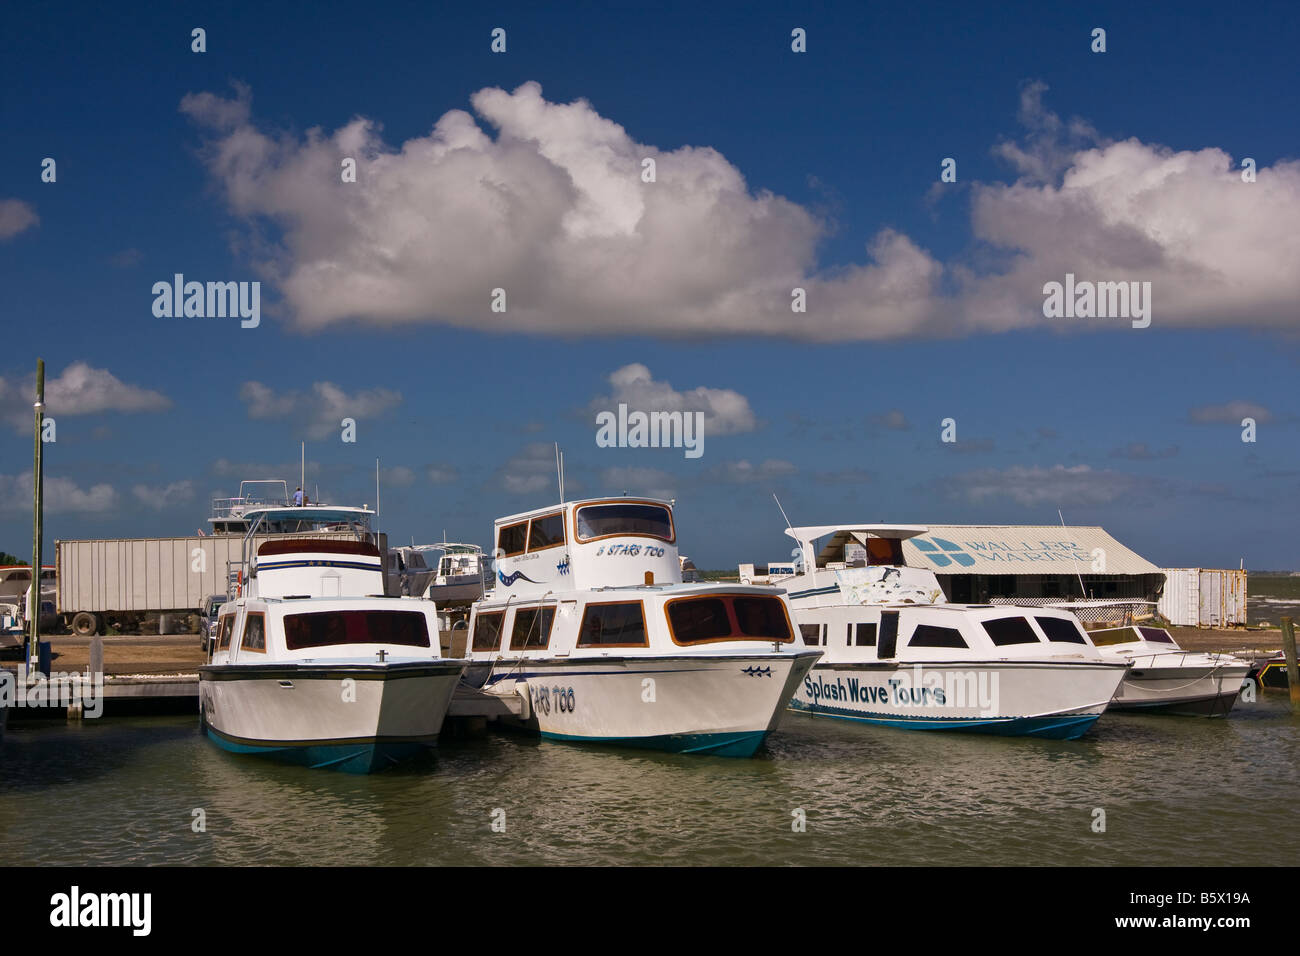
[591,625]
[1165,678]
[460,576]
[313,665]
[896,653]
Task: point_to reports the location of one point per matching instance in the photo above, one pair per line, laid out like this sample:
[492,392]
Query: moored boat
[313,665]
[590,625]
[1165,678]
[896,653]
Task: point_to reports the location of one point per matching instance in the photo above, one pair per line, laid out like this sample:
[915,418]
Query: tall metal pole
[38,484]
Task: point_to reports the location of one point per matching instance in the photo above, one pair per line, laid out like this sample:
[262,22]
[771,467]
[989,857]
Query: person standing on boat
[297,498]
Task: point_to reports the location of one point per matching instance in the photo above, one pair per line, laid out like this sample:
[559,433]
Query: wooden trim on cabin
[226,634]
[645,624]
[507,527]
[318,546]
[728,599]
[541,609]
[672,522]
[243,635]
[528,544]
[501,630]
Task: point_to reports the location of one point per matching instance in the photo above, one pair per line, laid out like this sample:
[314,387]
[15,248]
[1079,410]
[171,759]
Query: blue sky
[1063,156]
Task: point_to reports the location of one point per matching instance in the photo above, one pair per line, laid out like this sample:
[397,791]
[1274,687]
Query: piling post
[38,482]
[1292,673]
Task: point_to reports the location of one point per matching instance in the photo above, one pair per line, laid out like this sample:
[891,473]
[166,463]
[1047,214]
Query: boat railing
[235,507]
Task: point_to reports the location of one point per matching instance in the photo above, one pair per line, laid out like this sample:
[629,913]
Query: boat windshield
[1156,634]
[649,521]
[725,617]
[330,628]
[1115,635]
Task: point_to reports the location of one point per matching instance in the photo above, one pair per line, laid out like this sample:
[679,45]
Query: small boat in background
[1270,672]
[1167,679]
[461,575]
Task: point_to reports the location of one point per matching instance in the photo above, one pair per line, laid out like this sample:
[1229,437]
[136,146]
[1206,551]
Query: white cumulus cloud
[320,410]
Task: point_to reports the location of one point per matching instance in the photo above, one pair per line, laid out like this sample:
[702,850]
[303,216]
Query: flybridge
[583,545]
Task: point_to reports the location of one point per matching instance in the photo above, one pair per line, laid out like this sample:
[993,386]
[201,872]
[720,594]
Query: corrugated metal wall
[1204,597]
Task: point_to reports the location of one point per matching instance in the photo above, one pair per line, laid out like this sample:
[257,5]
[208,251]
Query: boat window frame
[672,521]
[528,538]
[911,638]
[225,635]
[582,624]
[1081,636]
[1135,639]
[243,633]
[508,527]
[858,627]
[728,600]
[541,609]
[1023,618]
[473,634]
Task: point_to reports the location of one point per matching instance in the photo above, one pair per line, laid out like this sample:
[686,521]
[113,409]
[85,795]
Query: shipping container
[1204,597]
[124,582]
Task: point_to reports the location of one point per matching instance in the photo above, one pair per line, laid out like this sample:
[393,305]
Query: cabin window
[865,635]
[928,635]
[1115,635]
[254,633]
[1060,630]
[1010,630]
[699,619]
[762,617]
[728,617]
[613,625]
[812,634]
[885,551]
[645,521]
[532,628]
[512,539]
[487,631]
[330,628]
[546,532]
[1156,634]
[226,632]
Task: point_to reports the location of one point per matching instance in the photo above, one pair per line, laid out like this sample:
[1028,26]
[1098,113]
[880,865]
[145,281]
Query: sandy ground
[180,653]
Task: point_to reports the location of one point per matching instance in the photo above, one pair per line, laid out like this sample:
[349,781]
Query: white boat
[896,653]
[590,626]
[1165,678]
[409,574]
[461,575]
[313,665]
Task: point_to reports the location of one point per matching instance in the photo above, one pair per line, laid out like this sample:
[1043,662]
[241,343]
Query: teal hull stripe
[742,744]
[349,758]
[1055,727]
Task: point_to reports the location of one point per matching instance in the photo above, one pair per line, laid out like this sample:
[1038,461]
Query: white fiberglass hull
[1055,699]
[723,705]
[1181,684]
[350,716]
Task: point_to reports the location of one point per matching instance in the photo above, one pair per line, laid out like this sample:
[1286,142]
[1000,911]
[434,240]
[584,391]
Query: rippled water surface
[1174,791]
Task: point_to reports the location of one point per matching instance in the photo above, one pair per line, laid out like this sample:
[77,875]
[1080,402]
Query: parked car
[208,630]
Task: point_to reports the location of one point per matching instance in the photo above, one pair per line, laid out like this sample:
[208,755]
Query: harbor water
[1169,791]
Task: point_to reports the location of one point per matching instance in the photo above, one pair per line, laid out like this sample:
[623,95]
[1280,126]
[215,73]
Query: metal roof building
[979,563]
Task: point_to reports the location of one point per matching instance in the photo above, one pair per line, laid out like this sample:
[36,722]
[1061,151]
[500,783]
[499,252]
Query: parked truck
[148,584]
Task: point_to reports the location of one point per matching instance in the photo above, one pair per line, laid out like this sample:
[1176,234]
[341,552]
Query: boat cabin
[317,568]
[583,545]
[857,564]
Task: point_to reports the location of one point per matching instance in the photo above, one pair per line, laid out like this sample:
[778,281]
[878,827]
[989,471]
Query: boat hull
[721,705]
[1202,691]
[1053,700]
[305,714]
